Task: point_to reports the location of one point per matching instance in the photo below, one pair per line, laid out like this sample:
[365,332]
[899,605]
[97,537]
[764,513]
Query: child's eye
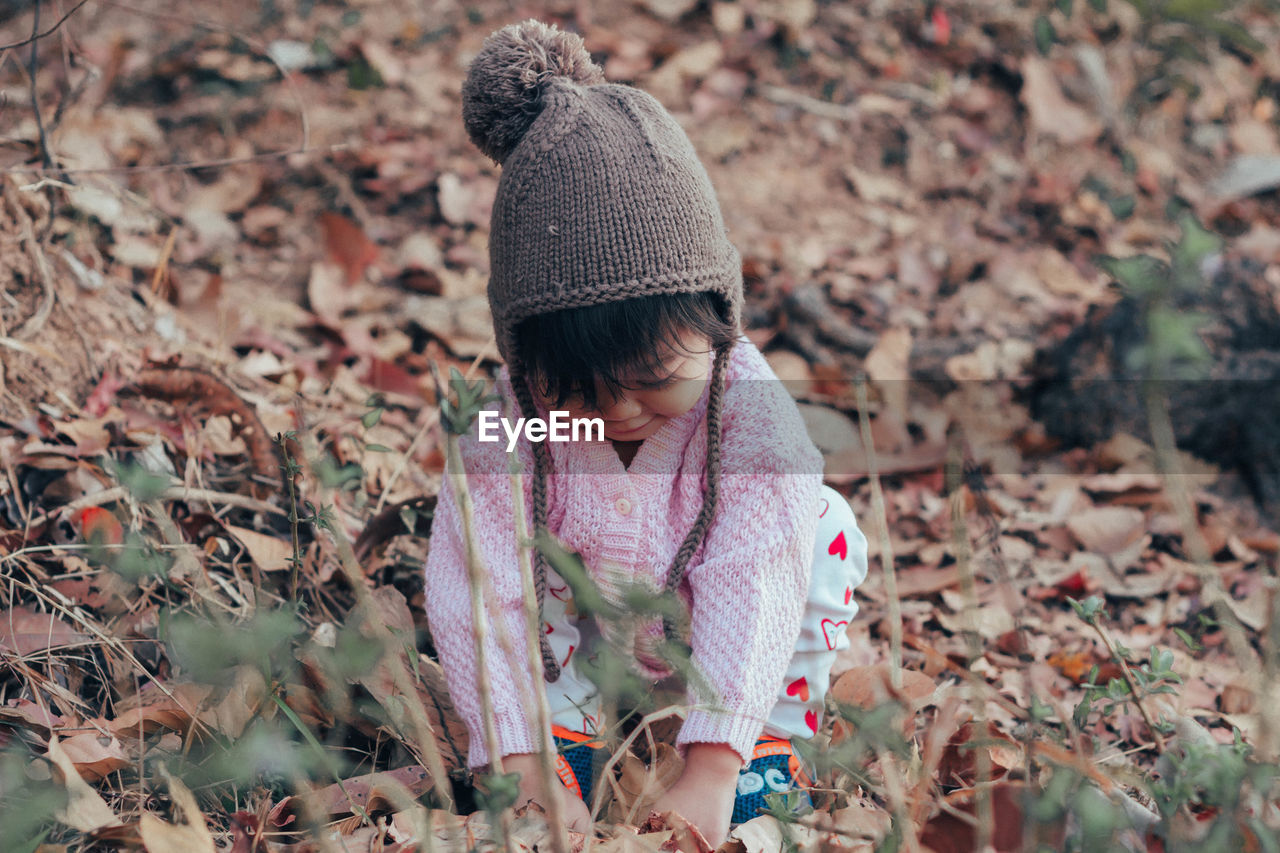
[658,384]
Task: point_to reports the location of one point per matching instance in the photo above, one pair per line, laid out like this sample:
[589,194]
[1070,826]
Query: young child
[616,294]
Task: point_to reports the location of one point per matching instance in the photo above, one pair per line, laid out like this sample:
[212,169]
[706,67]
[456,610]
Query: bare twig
[392,648]
[172,493]
[960,540]
[303,146]
[1166,453]
[480,624]
[37,320]
[36,36]
[432,418]
[533,628]
[32,61]
[882,531]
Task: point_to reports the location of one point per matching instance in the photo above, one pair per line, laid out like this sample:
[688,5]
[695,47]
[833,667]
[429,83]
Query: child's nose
[621,408]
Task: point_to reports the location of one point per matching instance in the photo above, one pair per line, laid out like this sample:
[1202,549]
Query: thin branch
[37,320]
[35,36]
[882,533]
[172,493]
[45,158]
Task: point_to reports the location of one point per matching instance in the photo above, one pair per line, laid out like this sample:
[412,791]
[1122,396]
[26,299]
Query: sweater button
[623,506]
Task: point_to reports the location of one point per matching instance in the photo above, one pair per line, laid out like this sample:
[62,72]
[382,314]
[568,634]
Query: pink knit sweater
[746,585]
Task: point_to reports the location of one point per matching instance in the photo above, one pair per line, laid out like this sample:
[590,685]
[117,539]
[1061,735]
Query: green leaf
[335,476]
[139,482]
[371,418]
[378,448]
[409,517]
[1123,206]
[497,792]
[1065,7]
[1191,251]
[1044,35]
[139,560]
[1187,640]
[1143,276]
[1098,6]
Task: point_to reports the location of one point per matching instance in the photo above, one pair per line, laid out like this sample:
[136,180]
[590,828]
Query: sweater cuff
[738,731]
[514,738]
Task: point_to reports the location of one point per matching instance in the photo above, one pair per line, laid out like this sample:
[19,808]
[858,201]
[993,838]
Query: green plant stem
[1166,454]
[404,683]
[1138,697]
[533,627]
[296,560]
[480,623]
[968,587]
[882,532]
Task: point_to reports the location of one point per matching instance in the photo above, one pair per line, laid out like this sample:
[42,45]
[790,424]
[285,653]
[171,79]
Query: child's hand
[576,815]
[704,793]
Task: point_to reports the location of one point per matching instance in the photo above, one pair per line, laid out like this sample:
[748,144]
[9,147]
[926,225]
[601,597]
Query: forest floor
[245,220]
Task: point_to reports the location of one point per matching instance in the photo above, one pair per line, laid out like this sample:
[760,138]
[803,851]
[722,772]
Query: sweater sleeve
[749,591]
[448,597]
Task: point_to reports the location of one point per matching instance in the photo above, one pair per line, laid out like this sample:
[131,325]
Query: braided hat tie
[601,199]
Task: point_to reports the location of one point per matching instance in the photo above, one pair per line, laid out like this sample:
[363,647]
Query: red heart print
[811,720]
[546,627]
[832,631]
[799,687]
[565,662]
[848,594]
[826,505]
[839,546]
[559,593]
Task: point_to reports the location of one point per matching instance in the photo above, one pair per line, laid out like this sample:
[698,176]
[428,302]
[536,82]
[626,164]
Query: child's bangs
[622,343]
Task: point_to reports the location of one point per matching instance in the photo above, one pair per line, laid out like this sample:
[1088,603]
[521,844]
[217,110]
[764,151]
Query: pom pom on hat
[502,94]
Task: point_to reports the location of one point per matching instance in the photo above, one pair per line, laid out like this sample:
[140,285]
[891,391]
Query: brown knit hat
[602,198]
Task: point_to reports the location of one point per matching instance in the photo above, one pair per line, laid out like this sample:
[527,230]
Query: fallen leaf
[95,755]
[268,553]
[150,709]
[1050,112]
[190,836]
[85,810]
[1107,530]
[24,632]
[347,246]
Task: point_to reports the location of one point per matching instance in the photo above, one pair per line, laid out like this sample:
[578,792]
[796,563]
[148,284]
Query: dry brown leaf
[918,581]
[190,836]
[95,755]
[268,553]
[869,686]
[1107,530]
[639,785]
[888,366]
[240,705]
[989,621]
[85,810]
[1050,112]
[24,631]
[150,708]
[347,246]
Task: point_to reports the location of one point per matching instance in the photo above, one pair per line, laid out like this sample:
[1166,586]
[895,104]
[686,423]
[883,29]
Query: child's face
[646,402]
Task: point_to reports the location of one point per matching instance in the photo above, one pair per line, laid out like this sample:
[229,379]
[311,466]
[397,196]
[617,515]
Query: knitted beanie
[602,198]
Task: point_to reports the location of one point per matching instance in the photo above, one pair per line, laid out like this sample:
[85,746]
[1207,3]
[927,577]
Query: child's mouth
[616,433]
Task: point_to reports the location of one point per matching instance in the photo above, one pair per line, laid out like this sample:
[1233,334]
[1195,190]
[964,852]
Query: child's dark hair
[563,352]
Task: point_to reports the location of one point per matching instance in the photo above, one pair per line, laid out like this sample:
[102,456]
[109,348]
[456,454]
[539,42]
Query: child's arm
[749,590]
[448,601]
[704,793]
